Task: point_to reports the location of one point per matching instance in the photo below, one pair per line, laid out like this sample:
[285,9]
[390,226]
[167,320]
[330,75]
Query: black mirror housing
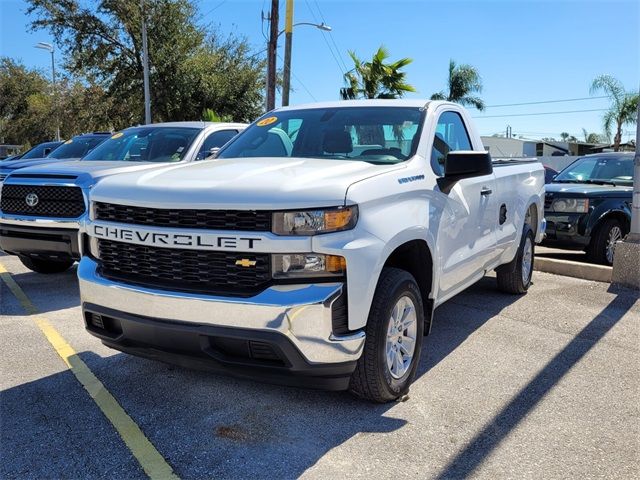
[464,164]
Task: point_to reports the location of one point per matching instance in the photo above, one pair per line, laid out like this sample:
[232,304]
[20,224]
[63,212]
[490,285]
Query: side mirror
[212,153]
[462,164]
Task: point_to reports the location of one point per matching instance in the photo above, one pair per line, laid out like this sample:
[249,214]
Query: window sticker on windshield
[267,121]
[180,149]
[407,124]
[116,135]
[68,141]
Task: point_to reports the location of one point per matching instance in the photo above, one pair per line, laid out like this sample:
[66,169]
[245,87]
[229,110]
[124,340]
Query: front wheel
[603,244]
[393,343]
[46,266]
[515,276]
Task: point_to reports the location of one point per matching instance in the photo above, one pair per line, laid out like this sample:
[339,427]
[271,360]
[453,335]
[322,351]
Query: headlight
[302,265]
[313,222]
[570,205]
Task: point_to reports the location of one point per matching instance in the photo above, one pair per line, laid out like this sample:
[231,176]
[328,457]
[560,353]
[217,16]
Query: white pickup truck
[314,249]
[42,207]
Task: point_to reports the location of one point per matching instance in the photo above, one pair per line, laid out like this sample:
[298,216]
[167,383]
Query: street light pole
[634,234]
[48,47]
[145,68]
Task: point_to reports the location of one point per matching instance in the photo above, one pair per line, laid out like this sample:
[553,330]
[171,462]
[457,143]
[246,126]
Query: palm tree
[564,136]
[464,81]
[375,78]
[622,110]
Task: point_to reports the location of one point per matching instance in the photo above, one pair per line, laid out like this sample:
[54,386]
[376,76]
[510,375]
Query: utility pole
[271,55]
[145,67]
[626,261]
[288,38]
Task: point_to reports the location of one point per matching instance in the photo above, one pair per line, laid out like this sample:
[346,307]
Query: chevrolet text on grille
[158,239]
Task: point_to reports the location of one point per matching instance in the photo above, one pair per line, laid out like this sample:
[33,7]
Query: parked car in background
[588,205]
[72,149]
[314,248]
[41,208]
[39,151]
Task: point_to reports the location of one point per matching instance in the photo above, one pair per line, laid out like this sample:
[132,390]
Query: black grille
[52,201]
[251,221]
[184,270]
[548,200]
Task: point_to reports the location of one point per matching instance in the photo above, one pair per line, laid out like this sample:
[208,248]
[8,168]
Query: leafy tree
[464,81]
[564,136]
[190,68]
[376,78]
[623,108]
[591,137]
[209,115]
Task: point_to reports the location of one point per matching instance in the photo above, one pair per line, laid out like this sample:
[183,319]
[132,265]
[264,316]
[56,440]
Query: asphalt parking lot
[540,386]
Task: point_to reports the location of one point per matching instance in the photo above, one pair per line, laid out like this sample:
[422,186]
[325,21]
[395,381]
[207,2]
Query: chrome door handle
[486,191]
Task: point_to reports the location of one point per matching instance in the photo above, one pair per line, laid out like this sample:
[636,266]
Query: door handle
[486,191]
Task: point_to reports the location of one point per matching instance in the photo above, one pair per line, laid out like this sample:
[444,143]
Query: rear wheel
[603,243]
[46,266]
[393,343]
[515,276]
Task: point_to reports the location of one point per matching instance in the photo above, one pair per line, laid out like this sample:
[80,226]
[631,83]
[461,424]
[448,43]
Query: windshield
[146,144]
[76,147]
[380,135]
[40,151]
[605,169]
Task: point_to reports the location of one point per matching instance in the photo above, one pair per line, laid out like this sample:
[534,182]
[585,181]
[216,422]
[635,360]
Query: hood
[87,171]
[240,183]
[12,165]
[588,190]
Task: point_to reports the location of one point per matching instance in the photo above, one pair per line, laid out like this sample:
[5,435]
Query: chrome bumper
[300,312]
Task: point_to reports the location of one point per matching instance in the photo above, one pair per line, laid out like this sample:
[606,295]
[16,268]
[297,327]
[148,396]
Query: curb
[568,268]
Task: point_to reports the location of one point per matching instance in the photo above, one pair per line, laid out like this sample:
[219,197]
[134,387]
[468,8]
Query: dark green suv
[588,205]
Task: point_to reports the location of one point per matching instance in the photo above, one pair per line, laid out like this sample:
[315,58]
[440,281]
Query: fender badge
[245,262]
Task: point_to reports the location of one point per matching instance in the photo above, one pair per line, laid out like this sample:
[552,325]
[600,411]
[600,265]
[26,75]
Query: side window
[451,135]
[215,140]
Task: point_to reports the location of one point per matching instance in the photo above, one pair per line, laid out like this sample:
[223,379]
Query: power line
[338,51]
[541,113]
[546,101]
[325,38]
[300,82]
[214,8]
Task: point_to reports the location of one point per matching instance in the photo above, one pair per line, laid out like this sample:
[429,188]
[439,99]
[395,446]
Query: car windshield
[76,147]
[612,169]
[380,135]
[146,144]
[40,151]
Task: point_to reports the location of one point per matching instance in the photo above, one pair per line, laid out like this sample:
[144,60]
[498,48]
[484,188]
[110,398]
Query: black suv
[588,205]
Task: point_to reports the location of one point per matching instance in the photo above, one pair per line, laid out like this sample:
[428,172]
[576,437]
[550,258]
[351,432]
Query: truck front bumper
[42,238]
[282,335]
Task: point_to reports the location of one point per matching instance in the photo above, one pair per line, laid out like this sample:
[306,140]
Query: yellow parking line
[154,465]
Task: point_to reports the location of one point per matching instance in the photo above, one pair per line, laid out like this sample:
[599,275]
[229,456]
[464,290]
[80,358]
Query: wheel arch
[415,257]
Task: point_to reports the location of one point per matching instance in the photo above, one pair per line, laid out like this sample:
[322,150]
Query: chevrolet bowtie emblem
[245,262]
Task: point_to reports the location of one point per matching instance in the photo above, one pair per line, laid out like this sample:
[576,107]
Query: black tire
[372,379]
[510,276]
[597,250]
[46,266]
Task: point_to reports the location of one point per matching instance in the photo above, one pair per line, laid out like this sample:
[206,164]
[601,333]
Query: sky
[525,51]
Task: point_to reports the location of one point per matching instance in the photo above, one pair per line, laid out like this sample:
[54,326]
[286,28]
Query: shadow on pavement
[483,444]
[209,425]
[50,292]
